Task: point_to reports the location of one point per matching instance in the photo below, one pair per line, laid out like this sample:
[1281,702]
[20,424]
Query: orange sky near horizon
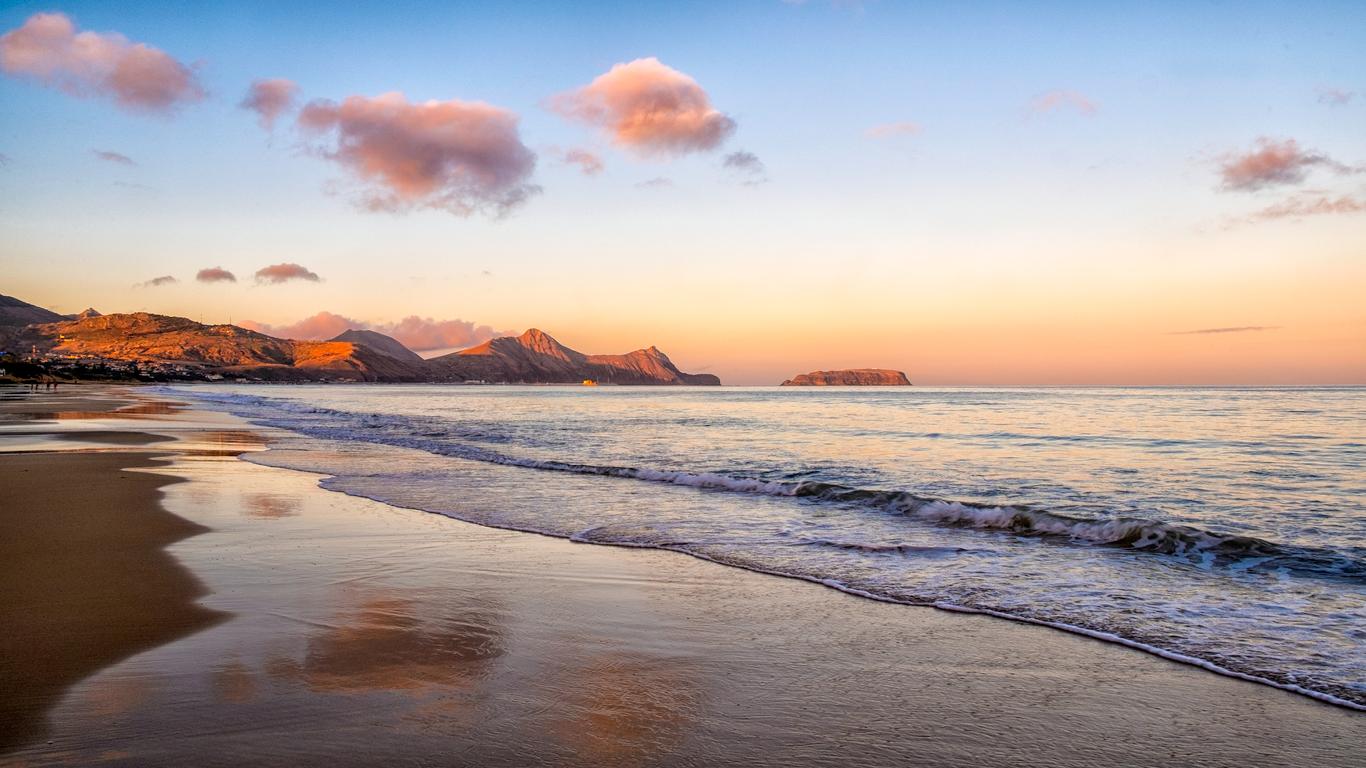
[1139,197]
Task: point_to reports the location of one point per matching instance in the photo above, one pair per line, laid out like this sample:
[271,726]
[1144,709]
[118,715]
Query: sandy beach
[167,603]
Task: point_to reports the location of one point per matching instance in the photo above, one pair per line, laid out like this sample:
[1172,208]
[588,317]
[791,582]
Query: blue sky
[992,222]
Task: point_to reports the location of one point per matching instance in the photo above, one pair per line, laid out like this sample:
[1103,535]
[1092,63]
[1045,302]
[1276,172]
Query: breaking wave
[1208,549]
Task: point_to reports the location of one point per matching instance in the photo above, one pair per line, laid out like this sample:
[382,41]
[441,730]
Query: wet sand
[353,632]
[87,580]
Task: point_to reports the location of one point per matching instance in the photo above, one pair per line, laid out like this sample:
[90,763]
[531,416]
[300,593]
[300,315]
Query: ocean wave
[853,539]
[1204,548]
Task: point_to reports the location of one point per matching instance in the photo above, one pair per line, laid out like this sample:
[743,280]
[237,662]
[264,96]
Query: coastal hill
[850,377]
[536,357]
[176,342]
[380,343]
[14,312]
[178,347]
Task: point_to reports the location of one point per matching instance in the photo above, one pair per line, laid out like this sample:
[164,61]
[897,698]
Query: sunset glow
[1053,195]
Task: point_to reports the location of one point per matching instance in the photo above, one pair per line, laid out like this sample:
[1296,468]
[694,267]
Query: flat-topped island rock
[850,377]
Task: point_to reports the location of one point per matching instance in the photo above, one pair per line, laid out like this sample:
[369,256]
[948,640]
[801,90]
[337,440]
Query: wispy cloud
[1059,99]
[649,108]
[284,273]
[658,182]
[588,163]
[270,99]
[136,76]
[157,282]
[215,275]
[456,156]
[1303,205]
[746,166]
[1335,97]
[888,130]
[1273,163]
[1230,329]
[113,157]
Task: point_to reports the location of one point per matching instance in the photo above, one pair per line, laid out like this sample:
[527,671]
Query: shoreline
[1070,629]
[108,591]
[349,618]
[670,477]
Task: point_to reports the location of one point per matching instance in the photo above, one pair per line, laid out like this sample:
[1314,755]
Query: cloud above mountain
[455,156]
[157,282]
[648,108]
[136,76]
[420,334]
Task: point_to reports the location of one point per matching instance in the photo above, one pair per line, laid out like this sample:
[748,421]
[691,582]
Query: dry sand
[355,633]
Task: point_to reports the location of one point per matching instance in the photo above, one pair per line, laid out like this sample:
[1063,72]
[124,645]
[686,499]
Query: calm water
[1224,526]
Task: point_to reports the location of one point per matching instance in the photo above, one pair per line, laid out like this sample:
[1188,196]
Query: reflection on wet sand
[87,579]
[221,443]
[388,642]
[270,506]
[234,683]
[106,436]
[229,439]
[628,708]
[16,410]
[110,697]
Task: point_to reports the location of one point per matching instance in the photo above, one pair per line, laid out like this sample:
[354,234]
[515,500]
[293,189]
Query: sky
[987,193]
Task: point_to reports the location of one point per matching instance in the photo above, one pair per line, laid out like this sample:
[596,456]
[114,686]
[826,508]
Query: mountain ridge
[537,357]
[180,347]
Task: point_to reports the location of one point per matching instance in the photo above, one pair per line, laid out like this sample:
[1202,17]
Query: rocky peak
[540,342]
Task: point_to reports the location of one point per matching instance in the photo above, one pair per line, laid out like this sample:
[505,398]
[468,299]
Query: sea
[1219,527]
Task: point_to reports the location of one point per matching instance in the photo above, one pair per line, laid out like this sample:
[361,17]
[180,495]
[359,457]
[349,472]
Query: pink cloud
[589,164]
[283,273]
[1335,97]
[460,157]
[136,76]
[1273,163]
[888,130]
[321,326]
[1309,205]
[1051,101]
[420,334]
[649,108]
[215,275]
[270,99]
[424,333]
